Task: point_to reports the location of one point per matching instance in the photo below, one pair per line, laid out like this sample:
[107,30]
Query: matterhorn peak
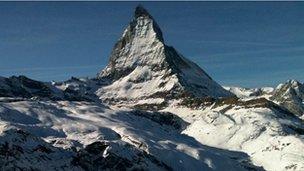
[141,11]
[141,35]
[141,14]
[141,65]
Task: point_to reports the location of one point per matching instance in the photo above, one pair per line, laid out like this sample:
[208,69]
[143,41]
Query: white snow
[128,88]
[84,123]
[260,132]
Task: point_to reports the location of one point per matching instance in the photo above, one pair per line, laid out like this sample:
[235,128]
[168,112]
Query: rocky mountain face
[142,66]
[291,96]
[112,122]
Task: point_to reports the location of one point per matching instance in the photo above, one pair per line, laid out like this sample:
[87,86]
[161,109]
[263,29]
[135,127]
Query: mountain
[74,89]
[291,96]
[142,66]
[149,109]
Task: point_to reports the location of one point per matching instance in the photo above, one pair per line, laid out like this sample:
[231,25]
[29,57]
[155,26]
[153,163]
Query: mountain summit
[142,65]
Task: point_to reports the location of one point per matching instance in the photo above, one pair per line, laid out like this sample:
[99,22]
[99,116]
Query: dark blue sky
[238,43]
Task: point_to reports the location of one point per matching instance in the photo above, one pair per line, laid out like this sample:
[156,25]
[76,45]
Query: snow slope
[270,135]
[250,92]
[43,133]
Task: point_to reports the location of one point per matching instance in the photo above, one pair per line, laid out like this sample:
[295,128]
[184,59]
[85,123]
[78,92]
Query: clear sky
[238,43]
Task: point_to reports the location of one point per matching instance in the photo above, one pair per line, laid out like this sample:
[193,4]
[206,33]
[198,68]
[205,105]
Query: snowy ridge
[289,95]
[248,92]
[75,89]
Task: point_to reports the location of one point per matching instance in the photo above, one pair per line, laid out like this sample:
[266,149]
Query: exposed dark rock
[19,152]
[43,149]
[162,118]
[196,103]
[151,107]
[92,158]
[291,96]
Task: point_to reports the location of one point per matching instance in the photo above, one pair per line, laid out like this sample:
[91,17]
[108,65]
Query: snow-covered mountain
[250,92]
[149,109]
[142,66]
[291,96]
